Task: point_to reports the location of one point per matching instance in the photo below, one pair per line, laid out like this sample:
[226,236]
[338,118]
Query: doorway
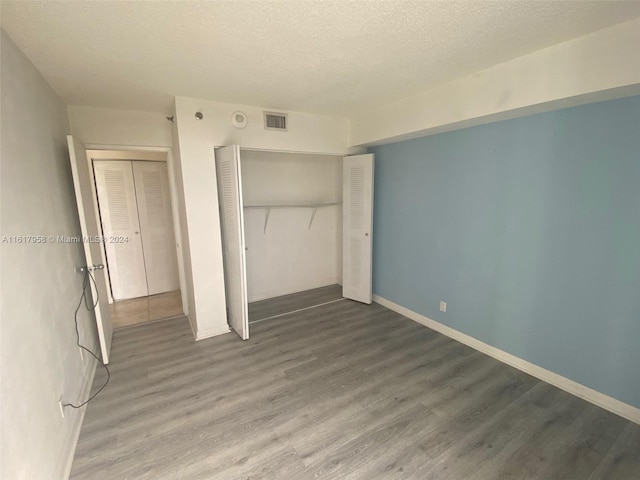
[135,213]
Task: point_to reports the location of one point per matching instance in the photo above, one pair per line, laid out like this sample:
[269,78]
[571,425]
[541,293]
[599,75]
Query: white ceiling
[331,57]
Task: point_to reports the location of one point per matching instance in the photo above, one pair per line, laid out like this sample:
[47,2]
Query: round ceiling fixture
[239,119]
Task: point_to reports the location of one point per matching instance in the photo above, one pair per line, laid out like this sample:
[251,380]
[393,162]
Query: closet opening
[138,218]
[292,205]
[284,240]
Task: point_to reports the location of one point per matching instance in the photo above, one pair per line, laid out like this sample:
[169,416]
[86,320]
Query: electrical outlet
[61,405]
[443,306]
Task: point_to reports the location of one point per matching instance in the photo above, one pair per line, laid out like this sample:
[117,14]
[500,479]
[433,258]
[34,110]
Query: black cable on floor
[88,279]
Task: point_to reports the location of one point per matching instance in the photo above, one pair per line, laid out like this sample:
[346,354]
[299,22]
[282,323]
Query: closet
[293,222]
[135,213]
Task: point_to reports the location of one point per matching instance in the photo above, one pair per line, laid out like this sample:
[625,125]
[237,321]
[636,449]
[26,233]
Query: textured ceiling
[332,57]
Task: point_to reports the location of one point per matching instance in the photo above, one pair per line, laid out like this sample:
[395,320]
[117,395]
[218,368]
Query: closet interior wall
[292,220]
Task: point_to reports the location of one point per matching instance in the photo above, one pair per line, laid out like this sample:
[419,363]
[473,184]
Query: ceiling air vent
[275,121]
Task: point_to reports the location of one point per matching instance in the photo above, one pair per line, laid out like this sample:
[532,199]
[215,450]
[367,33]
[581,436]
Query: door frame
[93,151]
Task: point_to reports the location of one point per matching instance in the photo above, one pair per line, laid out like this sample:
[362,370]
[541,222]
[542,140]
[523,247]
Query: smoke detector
[239,119]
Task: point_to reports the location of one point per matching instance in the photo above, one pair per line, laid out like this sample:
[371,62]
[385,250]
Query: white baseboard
[74,430]
[597,398]
[211,332]
[193,328]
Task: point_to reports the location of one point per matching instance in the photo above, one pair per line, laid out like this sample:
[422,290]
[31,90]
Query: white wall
[201,222]
[291,257]
[195,141]
[306,132]
[39,360]
[106,126]
[599,66]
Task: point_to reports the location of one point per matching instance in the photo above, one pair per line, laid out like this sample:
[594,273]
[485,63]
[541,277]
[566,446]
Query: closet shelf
[269,206]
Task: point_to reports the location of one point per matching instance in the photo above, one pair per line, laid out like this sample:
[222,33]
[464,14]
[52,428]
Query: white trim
[138,155]
[211,332]
[193,327]
[600,399]
[78,421]
[175,211]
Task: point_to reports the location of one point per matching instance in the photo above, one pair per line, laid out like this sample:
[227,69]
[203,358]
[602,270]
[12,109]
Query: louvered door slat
[156,226]
[119,218]
[230,198]
[357,227]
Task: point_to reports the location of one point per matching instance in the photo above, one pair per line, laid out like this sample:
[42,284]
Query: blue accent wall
[529,229]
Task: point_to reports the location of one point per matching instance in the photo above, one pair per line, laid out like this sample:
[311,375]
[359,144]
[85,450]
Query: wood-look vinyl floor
[265,309]
[134,311]
[343,390]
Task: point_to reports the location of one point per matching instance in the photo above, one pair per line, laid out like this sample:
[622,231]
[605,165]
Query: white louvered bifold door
[232,222]
[119,216]
[89,227]
[357,218]
[156,226]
